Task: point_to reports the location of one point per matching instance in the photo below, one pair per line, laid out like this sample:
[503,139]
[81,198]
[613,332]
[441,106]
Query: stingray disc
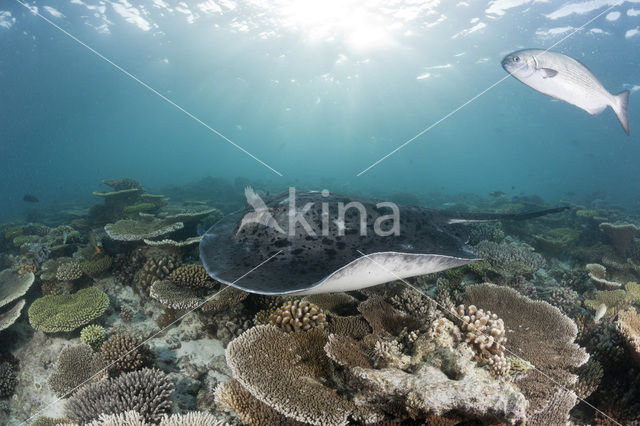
[329,243]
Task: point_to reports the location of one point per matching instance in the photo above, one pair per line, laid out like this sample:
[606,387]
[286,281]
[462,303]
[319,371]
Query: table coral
[628,324]
[66,312]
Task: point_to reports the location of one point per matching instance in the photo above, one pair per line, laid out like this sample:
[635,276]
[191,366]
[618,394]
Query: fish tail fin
[620,106]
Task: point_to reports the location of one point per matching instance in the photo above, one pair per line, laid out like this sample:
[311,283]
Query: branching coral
[192,276]
[176,297]
[69,271]
[76,365]
[298,316]
[8,380]
[157,267]
[484,331]
[67,312]
[133,418]
[146,391]
[123,353]
[542,335]
[96,267]
[510,259]
[93,335]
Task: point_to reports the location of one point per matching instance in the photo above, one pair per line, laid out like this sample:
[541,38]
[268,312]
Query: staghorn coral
[628,324]
[96,267]
[251,411]
[598,274]
[192,276]
[157,267]
[69,271]
[286,371]
[67,312]
[146,391]
[542,335]
[298,316]
[484,331]
[620,235]
[93,335]
[176,297]
[123,353]
[388,354]
[75,366]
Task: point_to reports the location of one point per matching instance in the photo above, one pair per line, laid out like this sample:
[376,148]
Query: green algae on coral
[66,312]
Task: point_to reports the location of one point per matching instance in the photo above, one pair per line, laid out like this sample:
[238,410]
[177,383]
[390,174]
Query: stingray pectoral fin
[382,267]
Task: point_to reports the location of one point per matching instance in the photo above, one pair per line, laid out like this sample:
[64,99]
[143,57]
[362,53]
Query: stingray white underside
[372,269]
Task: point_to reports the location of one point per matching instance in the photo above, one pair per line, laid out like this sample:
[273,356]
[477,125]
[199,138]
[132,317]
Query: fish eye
[516,59]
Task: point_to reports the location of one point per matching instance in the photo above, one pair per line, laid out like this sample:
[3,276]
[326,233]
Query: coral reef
[298,316]
[598,274]
[157,267]
[140,229]
[67,312]
[8,380]
[192,276]
[13,286]
[542,335]
[485,332]
[69,271]
[628,324]
[146,391]
[76,366]
[123,353]
[174,296]
[620,235]
[94,336]
[96,267]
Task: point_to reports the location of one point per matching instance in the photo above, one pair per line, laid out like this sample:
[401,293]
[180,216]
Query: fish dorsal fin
[548,72]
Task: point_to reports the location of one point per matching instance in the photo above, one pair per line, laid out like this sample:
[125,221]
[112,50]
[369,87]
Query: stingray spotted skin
[326,255]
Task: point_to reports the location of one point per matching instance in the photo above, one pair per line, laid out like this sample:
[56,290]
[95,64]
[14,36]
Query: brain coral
[66,312]
[146,391]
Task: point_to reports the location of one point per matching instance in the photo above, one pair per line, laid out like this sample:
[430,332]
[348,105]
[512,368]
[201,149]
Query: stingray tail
[490,217]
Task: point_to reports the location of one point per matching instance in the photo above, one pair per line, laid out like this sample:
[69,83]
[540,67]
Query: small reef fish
[93,241]
[497,194]
[602,309]
[30,198]
[566,79]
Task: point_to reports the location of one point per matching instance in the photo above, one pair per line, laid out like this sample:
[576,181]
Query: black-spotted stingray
[316,242]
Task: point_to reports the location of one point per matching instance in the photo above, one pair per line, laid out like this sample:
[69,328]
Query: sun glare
[357,24]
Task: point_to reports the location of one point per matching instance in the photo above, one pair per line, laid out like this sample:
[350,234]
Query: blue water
[318,90]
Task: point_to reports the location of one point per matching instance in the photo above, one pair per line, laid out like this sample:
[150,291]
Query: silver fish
[566,79]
